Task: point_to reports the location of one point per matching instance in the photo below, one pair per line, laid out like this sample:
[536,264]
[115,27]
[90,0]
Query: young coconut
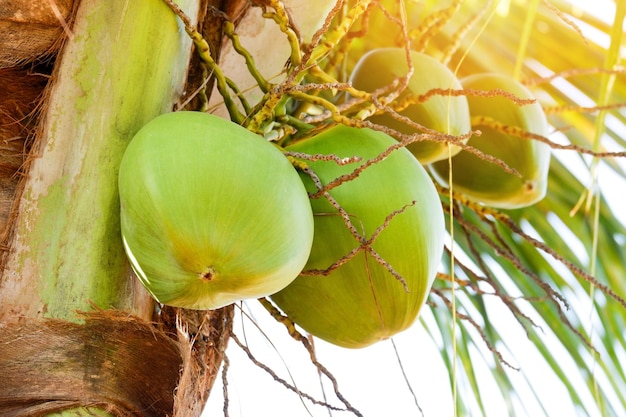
[446,114]
[210,212]
[361,301]
[485,181]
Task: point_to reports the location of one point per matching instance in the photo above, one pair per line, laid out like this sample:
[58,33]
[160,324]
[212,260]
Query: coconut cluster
[509,169]
[348,244]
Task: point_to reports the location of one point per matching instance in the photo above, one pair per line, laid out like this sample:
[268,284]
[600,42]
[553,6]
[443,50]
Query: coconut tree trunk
[78,334]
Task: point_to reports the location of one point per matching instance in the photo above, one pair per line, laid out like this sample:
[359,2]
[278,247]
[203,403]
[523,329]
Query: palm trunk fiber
[78,334]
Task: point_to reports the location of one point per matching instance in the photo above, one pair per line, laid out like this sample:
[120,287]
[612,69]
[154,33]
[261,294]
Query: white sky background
[371,378]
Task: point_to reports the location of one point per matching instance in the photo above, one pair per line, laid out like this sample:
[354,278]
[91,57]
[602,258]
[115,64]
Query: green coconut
[362,302]
[445,114]
[210,212]
[489,183]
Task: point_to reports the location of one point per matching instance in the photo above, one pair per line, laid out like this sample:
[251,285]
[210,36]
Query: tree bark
[80,335]
[31,29]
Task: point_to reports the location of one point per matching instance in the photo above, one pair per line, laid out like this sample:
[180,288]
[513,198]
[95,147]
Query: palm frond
[562,311]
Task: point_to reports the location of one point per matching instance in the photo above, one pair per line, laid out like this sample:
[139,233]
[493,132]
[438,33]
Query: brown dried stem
[572,73]
[432,25]
[477,327]
[280,380]
[296,335]
[364,243]
[523,134]
[566,20]
[580,109]
[506,253]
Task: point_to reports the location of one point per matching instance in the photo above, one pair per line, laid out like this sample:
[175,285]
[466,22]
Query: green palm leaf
[567,310]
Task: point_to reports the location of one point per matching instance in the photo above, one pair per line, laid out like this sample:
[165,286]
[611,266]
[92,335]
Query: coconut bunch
[510,169]
[212,214]
[346,234]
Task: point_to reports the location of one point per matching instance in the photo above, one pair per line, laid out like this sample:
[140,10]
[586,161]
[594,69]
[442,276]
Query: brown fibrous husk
[21,92]
[30,30]
[113,361]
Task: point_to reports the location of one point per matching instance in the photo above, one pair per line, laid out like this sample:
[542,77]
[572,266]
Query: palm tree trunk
[79,335]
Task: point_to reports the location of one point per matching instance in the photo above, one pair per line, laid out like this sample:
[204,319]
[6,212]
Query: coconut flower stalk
[75,324]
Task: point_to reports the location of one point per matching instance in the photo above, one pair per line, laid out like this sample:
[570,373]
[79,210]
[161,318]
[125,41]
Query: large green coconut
[362,302]
[487,182]
[211,213]
[441,112]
